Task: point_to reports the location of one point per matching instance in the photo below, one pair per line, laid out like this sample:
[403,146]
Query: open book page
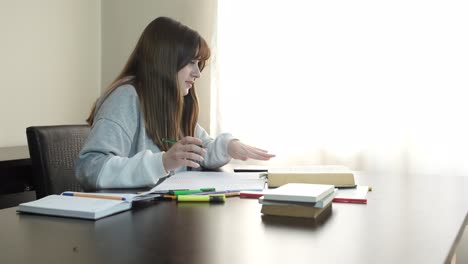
[221,181]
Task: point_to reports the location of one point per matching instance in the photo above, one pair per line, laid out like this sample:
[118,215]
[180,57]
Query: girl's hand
[240,151]
[184,153]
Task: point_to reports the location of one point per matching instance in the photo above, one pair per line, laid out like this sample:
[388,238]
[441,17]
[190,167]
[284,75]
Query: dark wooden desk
[406,220]
[15,170]
[16,183]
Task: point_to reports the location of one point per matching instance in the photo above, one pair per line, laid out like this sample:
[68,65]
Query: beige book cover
[339,176]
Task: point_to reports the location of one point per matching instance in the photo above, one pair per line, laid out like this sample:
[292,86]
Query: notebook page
[221,181]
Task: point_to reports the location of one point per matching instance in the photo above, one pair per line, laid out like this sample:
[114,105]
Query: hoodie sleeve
[106,159]
[217,155]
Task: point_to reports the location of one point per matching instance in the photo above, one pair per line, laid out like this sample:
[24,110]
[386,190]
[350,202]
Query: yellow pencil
[88,195]
[232,194]
[169,197]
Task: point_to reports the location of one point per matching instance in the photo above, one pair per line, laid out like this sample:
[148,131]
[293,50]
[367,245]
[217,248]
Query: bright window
[367,84]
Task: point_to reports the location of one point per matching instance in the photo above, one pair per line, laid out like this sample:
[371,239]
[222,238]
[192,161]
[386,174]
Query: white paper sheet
[221,181]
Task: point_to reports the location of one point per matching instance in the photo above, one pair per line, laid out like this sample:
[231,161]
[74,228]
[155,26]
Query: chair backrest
[53,151]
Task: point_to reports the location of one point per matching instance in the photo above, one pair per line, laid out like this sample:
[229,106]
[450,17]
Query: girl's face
[187,76]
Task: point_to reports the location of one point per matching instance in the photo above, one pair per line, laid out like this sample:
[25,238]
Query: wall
[49,66]
[123,21]
[51,54]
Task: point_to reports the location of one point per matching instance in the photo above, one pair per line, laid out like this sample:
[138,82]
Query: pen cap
[217,198]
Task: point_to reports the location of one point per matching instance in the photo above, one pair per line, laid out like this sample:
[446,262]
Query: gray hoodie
[119,154]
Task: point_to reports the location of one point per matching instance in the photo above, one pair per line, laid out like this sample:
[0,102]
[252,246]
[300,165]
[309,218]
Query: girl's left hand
[240,151]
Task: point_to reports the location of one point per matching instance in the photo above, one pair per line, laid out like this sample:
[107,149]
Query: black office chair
[53,151]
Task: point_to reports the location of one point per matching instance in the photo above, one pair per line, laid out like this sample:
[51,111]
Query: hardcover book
[352,195]
[299,192]
[339,176]
[319,204]
[297,211]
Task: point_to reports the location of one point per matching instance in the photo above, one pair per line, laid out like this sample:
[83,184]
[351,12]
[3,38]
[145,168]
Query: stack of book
[299,200]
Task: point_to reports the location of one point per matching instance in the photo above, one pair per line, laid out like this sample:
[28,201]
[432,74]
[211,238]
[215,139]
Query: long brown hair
[165,47]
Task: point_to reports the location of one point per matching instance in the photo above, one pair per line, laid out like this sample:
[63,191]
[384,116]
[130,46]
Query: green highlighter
[218,198]
[187,192]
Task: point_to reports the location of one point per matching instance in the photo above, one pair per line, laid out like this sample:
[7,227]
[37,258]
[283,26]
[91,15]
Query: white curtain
[367,84]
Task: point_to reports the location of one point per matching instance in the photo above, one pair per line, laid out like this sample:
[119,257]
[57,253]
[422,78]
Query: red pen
[250,194]
[350,200]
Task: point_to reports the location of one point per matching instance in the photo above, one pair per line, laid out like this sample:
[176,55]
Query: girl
[145,126]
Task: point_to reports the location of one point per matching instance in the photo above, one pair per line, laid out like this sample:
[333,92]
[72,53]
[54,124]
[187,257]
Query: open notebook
[221,181]
[93,206]
[77,207]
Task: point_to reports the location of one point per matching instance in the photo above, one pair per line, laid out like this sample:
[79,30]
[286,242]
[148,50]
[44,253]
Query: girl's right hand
[184,153]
